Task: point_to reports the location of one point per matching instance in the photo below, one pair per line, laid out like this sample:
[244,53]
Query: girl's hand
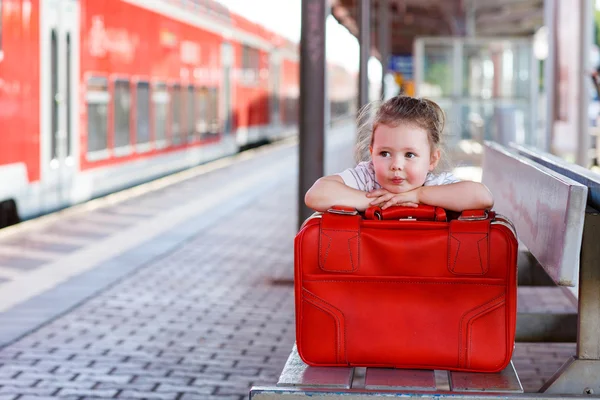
[386,199]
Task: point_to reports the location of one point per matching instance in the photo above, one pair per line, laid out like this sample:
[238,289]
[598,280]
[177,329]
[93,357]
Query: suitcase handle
[422,212]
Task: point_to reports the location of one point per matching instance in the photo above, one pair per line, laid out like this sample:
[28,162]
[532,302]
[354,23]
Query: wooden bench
[548,210]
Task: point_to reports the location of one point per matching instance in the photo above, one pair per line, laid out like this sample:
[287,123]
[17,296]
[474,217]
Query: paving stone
[54,384]
[30,397]
[18,382]
[133,394]
[233,390]
[27,390]
[138,371]
[187,396]
[87,369]
[132,386]
[106,393]
[198,390]
[115,379]
[171,380]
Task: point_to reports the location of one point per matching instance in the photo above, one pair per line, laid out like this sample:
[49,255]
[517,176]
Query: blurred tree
[439,74]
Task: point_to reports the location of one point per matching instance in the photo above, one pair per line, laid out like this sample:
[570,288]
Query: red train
[98,95]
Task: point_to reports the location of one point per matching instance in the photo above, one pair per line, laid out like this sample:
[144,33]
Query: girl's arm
[331,191]
[458,196]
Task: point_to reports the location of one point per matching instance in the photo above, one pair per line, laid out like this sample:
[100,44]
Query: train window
[160,104]
[97,99]
[176,128]
[122,113]
[213,111]
[142,114]
[250,64]
[190,112]
[201,100]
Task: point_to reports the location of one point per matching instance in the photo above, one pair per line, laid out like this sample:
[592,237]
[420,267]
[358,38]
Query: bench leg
[575,377]
[581,374]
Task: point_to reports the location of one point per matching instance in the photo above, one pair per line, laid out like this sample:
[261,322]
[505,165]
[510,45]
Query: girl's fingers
[381,199]
[390,203]
[394,202]
[377,193]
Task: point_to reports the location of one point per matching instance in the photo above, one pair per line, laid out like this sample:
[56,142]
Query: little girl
[404,146]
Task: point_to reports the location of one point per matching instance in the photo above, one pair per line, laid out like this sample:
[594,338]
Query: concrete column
[470,18]
[383,30]
[364,41]
[550,75]
[586,27]
[312,100]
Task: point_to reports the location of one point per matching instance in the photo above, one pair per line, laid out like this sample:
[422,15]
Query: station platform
[178,289]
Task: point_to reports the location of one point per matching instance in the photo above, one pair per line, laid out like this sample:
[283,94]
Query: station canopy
[414,18]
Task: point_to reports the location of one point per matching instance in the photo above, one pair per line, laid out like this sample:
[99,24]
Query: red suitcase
[404,288]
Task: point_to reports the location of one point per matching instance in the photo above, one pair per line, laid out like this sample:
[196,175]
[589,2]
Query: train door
[226,102]
[58,100]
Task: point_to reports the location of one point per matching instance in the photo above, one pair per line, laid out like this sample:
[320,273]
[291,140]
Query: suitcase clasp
[379,217]
[342,211]
[474,217]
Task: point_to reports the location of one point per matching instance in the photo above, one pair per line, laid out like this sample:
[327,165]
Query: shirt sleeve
[444,178]
[361,177]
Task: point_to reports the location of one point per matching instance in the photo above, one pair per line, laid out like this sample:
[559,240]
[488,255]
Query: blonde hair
[423,113]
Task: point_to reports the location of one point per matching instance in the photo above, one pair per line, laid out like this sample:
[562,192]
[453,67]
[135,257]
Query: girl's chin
[397,190]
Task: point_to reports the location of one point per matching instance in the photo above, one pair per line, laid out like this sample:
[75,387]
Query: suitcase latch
[474,217]
[342,212]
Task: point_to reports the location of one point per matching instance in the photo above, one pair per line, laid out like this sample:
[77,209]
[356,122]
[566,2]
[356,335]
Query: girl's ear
[371,150]
[435,159]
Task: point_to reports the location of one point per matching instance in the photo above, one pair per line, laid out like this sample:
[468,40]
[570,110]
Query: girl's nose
[396,165]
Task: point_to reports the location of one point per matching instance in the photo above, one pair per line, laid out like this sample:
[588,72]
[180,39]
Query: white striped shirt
[362,177]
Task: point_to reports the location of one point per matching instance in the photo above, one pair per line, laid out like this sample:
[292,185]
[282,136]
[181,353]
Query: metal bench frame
[579,376]
[580,373]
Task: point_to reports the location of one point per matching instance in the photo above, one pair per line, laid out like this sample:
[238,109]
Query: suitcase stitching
[460,340]
[452,266]
[338,310]
[314,302]
[322,263]
[483,312]
[328,313]
[487,264]
[485,307]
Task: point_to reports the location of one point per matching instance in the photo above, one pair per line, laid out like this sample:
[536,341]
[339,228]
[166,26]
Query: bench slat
[399,379]
[547,208]
[297,373]
[573,171]
[504,381]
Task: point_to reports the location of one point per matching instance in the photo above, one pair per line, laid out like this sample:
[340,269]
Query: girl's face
[402,157]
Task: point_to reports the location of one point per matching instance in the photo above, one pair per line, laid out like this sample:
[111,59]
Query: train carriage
[96,95]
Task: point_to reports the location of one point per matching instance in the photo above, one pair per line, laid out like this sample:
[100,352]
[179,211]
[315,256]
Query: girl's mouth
[397,181]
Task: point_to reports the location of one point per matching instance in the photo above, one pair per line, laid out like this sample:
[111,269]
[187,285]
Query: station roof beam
[413,18]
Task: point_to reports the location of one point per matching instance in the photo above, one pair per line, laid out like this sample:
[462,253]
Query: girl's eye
[384,154]
[410,155]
